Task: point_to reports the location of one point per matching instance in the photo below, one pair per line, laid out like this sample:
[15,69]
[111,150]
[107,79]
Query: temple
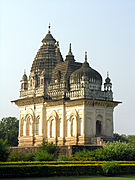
[63,101]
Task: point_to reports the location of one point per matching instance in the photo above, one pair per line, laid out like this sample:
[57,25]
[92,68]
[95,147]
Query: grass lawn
[87,178]
[78,178]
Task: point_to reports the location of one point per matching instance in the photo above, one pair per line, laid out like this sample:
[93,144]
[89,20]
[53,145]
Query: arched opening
[71,126]
[28,126]
[37,125]
[52,128]
[98,128]
[53,125]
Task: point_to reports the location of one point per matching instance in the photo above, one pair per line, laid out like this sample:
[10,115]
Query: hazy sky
[103,28]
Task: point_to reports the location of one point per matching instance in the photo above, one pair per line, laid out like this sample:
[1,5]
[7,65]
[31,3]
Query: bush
[65,158]
[18,156]
[110,169]
[43,156]
[29,157]
[47,170]
[84,155]
[48,147]
[4,151]
[55,168]
[47,152]
[117,151]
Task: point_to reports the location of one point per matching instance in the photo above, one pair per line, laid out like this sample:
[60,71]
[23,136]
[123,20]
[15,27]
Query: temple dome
[87,72]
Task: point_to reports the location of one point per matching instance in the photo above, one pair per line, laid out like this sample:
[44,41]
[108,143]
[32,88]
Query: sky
[103,28]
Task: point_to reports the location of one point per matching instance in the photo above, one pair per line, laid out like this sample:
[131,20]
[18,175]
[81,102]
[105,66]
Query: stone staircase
[101,141]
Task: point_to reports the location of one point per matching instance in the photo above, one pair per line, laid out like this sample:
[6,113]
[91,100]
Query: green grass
[79,178]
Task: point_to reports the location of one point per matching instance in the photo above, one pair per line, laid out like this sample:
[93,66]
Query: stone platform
[64,150]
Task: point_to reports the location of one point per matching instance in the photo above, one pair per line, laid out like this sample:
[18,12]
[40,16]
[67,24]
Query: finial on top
[85,56]
[57,44]
[107,74]
[49,28]
[70,52]
[24,71]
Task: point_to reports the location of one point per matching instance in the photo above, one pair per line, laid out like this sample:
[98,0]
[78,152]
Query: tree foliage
[121,138]
[9,128]
[4,151]
[125,138]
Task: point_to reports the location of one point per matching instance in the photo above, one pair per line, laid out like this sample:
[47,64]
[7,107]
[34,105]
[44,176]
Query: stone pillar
[56,119]
[76,133]
[44,121]
[33,126]
[64,122]
[19,126]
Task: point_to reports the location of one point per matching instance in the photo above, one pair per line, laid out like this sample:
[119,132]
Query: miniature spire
[24,77]
[85,56]
[70,52]
[49,28]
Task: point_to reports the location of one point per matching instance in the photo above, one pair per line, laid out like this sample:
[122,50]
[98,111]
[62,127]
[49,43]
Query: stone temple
[62,100]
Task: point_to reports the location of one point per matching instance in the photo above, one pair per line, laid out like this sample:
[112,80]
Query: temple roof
[86,71]
[47,56]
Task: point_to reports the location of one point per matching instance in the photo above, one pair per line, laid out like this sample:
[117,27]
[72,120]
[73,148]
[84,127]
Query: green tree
[121,138]
[9,130]
[4,151]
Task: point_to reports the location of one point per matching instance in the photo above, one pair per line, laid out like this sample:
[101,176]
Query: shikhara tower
[62,101]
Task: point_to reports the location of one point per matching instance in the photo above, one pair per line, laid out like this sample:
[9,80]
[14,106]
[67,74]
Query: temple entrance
[98,128]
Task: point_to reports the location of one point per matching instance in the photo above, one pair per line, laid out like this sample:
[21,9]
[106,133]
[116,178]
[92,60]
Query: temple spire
[49,26]
[70,52]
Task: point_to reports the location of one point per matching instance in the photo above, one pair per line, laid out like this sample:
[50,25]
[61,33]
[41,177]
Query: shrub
[65,158]
[4,151]
[29,157]
[47,152]
[84,155]
[118,151]
[48,147]
[17,156]
[110,169]
[47,170]
[43,156]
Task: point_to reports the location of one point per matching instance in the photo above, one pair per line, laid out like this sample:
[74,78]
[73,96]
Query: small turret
[24,82]
[107,84]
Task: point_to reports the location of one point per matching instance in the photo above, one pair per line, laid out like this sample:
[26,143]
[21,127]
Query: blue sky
[103,28]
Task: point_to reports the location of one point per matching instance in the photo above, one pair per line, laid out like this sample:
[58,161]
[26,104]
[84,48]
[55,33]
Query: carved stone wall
[65,122]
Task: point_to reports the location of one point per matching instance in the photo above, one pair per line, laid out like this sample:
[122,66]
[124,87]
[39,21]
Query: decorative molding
[29,101]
